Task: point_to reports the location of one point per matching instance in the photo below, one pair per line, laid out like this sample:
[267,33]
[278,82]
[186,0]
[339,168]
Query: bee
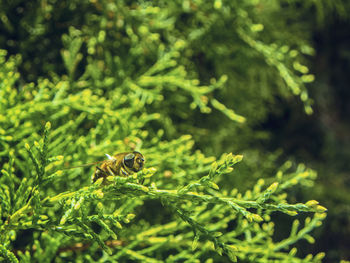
[121,164]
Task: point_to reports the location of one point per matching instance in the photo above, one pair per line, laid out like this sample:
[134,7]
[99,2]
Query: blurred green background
[268,72]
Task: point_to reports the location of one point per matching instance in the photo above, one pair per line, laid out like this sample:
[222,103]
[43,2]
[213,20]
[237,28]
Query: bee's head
[134,161]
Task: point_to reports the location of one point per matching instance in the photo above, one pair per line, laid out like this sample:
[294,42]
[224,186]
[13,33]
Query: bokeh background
[307,41]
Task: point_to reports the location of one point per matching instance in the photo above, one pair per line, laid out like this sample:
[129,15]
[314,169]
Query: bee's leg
[97,174]
[98,168]
[110,171]
[123,173]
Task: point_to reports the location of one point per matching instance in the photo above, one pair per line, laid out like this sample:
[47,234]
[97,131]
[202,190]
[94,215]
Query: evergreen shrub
[140,76]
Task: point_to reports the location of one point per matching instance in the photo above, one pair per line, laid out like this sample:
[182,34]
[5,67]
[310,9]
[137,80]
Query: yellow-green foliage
[130,82]
[178,214]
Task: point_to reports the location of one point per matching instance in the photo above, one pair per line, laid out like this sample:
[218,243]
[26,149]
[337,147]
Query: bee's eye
[129,160]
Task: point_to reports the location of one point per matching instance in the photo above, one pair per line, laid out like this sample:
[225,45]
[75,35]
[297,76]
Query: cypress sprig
[216,169]
[8,255]
[34,161]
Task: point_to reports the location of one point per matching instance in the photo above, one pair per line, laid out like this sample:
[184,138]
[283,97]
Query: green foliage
[64,210]
[140,76]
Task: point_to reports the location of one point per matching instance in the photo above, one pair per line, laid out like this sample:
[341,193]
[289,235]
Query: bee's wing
[110,157]
[83,165]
